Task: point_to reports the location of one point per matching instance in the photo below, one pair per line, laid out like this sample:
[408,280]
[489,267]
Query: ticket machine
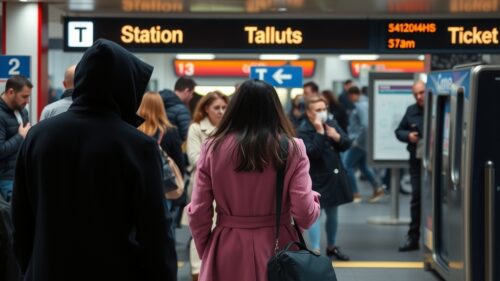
[459,180]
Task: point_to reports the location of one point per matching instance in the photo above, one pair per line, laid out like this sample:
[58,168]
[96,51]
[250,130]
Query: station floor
[373,248]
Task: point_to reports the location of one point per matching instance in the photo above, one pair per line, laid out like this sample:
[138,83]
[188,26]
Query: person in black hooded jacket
[87,200]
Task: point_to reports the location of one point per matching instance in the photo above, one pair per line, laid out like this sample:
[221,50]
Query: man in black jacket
[13,128]
[88,200]
[176,104]
[410,130]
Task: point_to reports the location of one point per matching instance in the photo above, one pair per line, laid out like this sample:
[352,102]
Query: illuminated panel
[390,65]
[442,36]
[234,68]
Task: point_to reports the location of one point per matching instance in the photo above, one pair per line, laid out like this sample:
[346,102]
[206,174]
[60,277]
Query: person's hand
[23,130]
[320,129]
[332,133]
[413,137]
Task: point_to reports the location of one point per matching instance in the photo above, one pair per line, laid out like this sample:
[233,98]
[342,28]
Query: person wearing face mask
[206,118]
[324,140]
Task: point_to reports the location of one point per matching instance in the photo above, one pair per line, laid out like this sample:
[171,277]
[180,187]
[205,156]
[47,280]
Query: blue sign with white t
[14,65]
[282,76]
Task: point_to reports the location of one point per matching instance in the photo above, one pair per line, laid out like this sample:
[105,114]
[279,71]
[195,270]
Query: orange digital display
[234,68]
[388,65]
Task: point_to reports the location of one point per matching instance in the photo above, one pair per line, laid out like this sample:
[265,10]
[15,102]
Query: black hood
[109,77]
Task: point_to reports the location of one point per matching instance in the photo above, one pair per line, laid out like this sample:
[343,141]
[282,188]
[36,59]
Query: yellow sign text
[270,35]
[473,37]
[155,35]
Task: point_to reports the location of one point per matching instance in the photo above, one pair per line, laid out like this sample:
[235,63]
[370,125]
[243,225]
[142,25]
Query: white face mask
[322,116]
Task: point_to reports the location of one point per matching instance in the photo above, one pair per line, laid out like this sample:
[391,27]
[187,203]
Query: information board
[390,95]
[261,35]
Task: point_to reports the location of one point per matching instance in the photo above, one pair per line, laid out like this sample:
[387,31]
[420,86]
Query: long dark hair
[255,116]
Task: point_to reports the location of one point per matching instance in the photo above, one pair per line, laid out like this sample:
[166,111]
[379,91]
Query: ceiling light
[195,56]
[359,57]
[279,57]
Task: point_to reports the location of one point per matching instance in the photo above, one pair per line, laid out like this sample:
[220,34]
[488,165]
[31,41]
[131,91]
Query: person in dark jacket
[176,104]
[410,130]
[336,109]
[344,100]
[88,200]
[14,126]
[324,140]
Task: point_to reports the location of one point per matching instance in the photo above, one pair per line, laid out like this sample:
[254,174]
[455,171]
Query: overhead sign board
[14,65]
[231,35]
[286,35]
[284,77]
[234,68]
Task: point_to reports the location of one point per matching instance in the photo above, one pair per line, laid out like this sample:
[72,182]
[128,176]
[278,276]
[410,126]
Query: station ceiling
[283,8]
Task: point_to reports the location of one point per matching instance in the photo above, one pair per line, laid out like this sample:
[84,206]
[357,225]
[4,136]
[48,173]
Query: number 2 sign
[14,65]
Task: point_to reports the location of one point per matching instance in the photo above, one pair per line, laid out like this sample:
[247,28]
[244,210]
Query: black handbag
[296,265]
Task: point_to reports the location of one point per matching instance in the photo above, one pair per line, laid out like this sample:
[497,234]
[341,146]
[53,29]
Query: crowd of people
[85,183]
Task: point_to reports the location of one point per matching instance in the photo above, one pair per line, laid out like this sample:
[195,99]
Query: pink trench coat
[242,242]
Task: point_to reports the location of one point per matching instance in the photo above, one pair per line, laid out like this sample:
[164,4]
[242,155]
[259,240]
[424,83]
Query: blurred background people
[297,111]
[356,156]
[13,128]
[66,100]
[336,109]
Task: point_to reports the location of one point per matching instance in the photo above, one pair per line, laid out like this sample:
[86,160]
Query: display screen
[286,35]
[230,35]
[433,36]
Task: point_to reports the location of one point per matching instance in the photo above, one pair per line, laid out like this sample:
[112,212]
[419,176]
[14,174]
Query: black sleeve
[23,216]
[403,129]
[156,243]
[8,146]
[314,142]
[344,142]
[171,143]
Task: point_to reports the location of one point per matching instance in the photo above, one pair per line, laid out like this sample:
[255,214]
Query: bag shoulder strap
[280,178]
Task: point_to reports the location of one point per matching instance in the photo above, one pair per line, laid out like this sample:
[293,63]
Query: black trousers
[415,203]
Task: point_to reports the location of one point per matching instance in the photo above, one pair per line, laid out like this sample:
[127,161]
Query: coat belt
[251,221]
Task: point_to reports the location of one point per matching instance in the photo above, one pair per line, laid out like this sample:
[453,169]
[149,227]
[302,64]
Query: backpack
[173,183]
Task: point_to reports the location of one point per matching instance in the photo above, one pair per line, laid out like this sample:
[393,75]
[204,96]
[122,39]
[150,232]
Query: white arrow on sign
[278,76]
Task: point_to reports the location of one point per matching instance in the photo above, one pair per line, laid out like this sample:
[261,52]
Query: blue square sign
[283,76]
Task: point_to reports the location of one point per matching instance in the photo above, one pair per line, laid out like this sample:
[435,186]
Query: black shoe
[409,245]
[335,252]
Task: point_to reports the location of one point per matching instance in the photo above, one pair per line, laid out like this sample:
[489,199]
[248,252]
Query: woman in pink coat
[237,169]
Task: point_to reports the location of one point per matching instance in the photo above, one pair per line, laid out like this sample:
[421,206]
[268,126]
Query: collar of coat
[206,126]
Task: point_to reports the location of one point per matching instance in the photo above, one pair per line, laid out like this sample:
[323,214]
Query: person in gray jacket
[356,156]
[66,100]
[14,126]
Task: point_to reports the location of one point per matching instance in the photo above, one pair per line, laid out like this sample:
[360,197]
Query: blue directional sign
[283,76]
[14,65]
